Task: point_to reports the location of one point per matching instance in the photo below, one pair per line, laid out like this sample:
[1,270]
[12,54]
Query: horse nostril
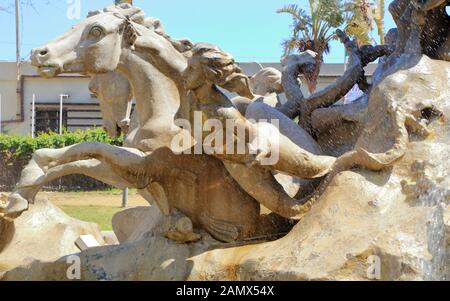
[43,52]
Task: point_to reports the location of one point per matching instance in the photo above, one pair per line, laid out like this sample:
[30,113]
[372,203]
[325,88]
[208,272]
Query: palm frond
[360,20]
[359,32]
[297,13]
[289,45]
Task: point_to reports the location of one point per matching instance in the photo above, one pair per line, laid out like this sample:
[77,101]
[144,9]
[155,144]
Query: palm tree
[313,32]
[362,17]
[360,21]
[123,1]
[379,18]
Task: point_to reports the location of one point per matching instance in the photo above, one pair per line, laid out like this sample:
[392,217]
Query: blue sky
[251,30]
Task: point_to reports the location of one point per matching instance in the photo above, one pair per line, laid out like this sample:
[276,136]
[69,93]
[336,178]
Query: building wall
[45,91]
[49,90]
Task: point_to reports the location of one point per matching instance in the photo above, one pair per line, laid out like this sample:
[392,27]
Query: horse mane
[126,10]
[137,15]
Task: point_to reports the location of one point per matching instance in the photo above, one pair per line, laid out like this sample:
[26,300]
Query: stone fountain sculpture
[384,197]
[37,173]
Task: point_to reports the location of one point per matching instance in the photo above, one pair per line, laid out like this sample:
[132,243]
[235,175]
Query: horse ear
[94,13]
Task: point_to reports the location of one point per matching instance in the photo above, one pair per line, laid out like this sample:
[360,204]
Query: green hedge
[24,146]
[16,151]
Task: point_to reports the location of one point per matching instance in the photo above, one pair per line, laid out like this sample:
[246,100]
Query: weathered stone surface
[3,201]
[131,261]
[399,214]
[447,225]
[335,239]
[333,242]
[110,238]
[113,91]
[132,224]
[338,128]
[43,232]
[266,81]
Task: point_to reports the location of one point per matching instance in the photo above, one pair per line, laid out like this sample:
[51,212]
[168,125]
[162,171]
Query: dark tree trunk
[313,78]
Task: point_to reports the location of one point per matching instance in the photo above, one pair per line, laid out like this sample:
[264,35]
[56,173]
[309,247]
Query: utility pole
[61,111]
[18,86]
[33,116]
[125,198]
[0,114]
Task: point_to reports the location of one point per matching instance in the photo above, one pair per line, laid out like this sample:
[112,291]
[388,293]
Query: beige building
[80,108]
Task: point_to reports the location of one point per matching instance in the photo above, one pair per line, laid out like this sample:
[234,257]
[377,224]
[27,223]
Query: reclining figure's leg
[34,178]
[50,164]
[116,155]
[264,188]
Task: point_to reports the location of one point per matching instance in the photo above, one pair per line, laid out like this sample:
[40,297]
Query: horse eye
[96,32]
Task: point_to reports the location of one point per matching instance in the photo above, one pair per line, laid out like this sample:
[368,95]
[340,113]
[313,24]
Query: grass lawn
[100,215]
[93,206]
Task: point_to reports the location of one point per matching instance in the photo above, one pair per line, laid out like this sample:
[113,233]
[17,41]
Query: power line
[13,43]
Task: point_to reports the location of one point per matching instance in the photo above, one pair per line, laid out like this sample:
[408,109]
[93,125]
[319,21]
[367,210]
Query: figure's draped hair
[220,67]
[135,14]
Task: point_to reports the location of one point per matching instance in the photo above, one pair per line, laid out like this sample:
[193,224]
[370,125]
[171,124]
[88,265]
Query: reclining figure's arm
[298,105]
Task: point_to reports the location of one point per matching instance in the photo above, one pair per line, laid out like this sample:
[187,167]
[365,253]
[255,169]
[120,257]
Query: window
[48,120]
